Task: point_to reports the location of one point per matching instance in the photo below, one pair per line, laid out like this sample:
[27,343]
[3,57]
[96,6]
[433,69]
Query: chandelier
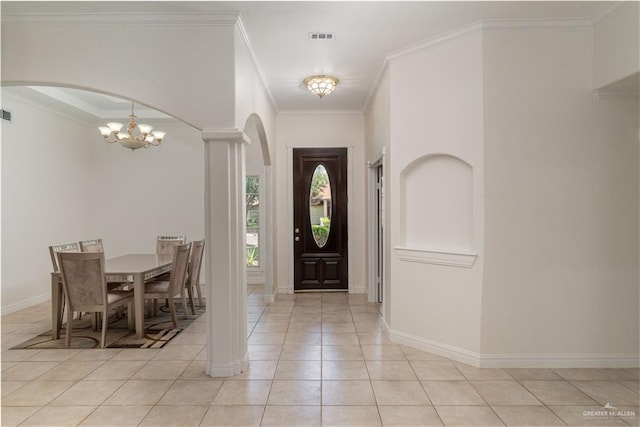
[136,135]
[321,85]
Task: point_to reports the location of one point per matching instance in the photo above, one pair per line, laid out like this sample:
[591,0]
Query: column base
[224,370]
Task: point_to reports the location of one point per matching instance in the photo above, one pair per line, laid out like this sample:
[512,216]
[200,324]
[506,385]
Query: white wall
[46,162]
[616,50]
[139,195]
[251,95]
[321,130]
[561,266]
[253,100]
[436,108]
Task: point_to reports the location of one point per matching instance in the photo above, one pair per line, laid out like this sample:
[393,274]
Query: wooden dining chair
[85,287]
[96,245]
[54,250]
[193,276]
[163,289]
[166,244]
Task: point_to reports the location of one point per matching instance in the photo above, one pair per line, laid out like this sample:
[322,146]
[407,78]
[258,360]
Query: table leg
[138,297]
[56,305]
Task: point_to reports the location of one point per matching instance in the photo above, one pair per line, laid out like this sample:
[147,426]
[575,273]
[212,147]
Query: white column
[225,263]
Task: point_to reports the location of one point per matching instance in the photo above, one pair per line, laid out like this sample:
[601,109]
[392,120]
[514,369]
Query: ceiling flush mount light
[321,85]
[136,136]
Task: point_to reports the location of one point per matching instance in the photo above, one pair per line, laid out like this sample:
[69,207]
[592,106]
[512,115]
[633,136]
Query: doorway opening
[376,232]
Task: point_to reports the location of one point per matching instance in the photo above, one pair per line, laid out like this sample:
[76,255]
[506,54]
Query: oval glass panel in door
[320,205]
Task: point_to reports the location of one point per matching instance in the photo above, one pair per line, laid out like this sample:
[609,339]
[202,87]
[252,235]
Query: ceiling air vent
[6,115]
[321,36]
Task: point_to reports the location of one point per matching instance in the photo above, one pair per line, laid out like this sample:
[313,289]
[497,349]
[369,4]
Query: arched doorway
[63,183]
[260,242]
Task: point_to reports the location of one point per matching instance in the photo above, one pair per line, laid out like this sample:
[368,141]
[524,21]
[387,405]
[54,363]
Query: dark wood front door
[320,219]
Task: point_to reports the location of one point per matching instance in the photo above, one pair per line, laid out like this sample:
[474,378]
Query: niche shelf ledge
[438,257]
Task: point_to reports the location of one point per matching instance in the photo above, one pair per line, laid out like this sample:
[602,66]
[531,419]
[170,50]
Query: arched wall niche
[436,211]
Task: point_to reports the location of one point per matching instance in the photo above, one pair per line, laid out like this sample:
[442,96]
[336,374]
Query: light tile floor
[316,359]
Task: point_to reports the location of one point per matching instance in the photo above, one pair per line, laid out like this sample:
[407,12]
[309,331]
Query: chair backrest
[197,250]
[179,268]
[84,279]
[91,245]
[55,250]
[166,244]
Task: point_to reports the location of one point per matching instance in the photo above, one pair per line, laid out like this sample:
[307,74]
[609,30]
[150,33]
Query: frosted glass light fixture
[321,85]
[136,135]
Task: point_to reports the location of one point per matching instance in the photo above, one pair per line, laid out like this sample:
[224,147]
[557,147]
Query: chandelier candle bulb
[158,134]
[115,126]
[145,129]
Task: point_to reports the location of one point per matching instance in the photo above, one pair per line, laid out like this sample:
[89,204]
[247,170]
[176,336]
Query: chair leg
[104,329]
[190,292]
[174,318]
[199,295]
[67,339]
[131,316]
[184,304]
[63,305]
[94,321]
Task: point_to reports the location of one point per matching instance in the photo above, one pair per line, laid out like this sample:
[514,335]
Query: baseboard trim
[554,360]
[440,349]
[17,306]
[560,361]
[358,290]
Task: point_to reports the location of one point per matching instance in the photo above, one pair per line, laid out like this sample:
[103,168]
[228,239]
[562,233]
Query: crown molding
[563,24]
[55,93]
[376,82]
[414,47]
[631,93]
[245,37]
[320,112]
[608,11]
[162,19]
[437,40]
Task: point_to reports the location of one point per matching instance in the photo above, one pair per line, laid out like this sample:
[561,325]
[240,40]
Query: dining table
[137,268]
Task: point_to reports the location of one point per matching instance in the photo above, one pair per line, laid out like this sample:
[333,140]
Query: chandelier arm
[115,139]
